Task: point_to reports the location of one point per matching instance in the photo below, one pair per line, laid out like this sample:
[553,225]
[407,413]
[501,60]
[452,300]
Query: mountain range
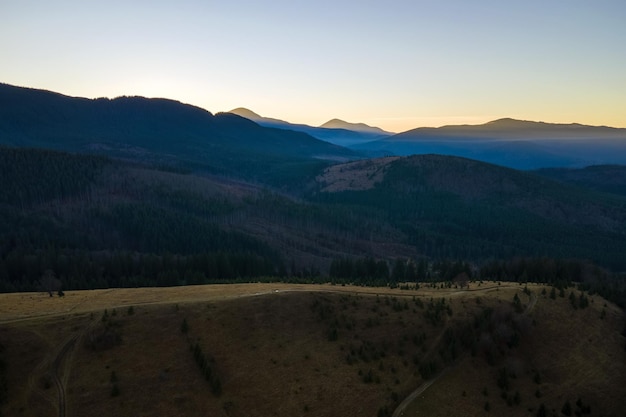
[513,143]
[147,179]
[158,131]
[334,131]
[179,134]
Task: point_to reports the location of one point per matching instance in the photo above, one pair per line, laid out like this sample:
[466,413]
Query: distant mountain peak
[510,123]
[344,134]
[247,113]
[357,127]
[335,122]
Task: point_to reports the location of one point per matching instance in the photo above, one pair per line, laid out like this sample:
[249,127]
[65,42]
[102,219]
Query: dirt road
[57,373]
[420,390]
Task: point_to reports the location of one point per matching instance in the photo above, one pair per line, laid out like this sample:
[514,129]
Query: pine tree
[567,409]
[184,327]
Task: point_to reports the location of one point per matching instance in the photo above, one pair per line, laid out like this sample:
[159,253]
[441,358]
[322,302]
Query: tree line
[77,270]
[82,269]
[561,273]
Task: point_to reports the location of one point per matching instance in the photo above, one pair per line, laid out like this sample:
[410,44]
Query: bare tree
[49,282]
[462,280]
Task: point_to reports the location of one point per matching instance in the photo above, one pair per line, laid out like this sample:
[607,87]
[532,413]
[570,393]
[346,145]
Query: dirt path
[531,303]
[419,391]
[413,396]
[57,373]
[399,411]
[62,364]
[18,307]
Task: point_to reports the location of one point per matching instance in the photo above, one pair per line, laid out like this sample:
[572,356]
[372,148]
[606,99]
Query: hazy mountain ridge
[357,127]
[257,118]
[514,143]
[342,133]
[508,129]
[518,144]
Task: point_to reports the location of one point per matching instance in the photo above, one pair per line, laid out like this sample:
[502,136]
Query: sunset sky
[395,64]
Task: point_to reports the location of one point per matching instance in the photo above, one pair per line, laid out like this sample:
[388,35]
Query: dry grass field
[310,350]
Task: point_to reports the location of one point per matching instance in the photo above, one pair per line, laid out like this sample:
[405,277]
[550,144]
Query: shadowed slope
[154,130]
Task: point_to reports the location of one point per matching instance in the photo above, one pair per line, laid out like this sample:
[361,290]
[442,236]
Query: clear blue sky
[393,64]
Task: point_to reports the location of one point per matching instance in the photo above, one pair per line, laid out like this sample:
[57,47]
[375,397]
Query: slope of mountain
[92,210]
[605,178]
[264,121]
[514,143]
[447,206]
[156,130]
[345,135]
[321,351]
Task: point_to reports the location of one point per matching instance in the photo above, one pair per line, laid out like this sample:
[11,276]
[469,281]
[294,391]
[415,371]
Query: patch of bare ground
[285,350]
[353,176]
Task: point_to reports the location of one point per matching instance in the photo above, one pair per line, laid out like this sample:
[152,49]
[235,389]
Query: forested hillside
[90,221]
[450,207]
[604,178]
[98,222]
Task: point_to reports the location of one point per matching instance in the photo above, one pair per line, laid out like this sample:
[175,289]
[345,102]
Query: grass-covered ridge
[280,349]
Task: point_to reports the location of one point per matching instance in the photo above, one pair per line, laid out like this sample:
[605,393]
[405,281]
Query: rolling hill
[513,143]
[284,350]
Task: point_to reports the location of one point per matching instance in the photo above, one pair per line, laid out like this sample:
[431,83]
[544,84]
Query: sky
[395,64]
